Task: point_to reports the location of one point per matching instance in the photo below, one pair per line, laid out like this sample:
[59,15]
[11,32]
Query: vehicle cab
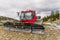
[28,16]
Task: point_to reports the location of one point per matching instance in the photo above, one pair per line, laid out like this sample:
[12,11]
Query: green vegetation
[52,17]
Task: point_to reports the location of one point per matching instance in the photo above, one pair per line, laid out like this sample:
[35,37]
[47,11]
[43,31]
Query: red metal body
[31,20]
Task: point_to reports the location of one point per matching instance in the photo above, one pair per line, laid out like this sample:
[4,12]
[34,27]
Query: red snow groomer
[27,23]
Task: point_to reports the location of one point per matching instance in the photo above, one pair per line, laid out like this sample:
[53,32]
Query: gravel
[50,34]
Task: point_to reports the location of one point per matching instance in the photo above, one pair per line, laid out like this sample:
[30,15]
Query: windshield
[27,15]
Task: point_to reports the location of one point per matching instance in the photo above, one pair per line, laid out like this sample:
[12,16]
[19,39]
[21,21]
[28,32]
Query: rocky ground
[50,34]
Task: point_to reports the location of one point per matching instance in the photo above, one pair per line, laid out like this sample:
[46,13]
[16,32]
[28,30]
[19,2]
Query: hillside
[6,18]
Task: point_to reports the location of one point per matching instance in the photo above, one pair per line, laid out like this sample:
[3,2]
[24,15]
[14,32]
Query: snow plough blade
[27,30]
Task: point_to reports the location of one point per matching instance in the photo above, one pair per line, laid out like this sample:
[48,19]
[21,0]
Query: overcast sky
[43,7]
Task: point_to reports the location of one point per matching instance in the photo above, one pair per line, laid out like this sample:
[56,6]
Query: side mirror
[18,13]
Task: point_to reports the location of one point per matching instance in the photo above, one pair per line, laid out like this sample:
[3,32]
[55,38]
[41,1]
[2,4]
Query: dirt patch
[50,34]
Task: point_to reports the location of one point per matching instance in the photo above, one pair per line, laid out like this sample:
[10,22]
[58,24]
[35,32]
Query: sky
[42,7]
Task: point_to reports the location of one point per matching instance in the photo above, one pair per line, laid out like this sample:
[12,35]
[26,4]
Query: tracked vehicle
[28,22]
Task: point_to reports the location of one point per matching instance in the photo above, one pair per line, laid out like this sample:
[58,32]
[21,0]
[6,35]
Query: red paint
[31,20]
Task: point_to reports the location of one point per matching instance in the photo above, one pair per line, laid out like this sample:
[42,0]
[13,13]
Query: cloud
[44,14]
[10,7]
